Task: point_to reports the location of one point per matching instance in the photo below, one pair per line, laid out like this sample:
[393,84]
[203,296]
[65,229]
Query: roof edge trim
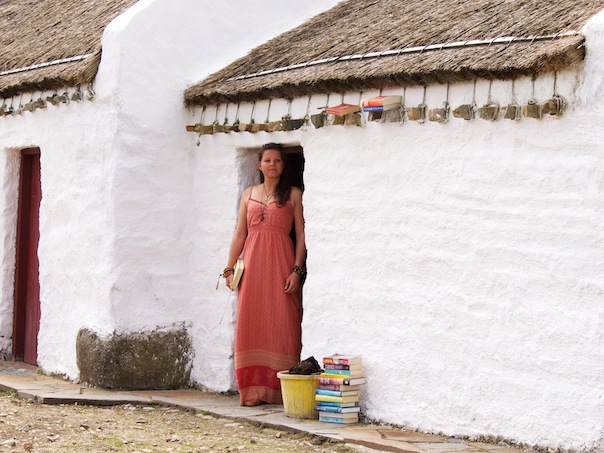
[46,64]
[406,50]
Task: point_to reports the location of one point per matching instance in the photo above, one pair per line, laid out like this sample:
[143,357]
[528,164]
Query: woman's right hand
[229,281]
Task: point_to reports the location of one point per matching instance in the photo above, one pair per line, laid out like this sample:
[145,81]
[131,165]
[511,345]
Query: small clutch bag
[238,272]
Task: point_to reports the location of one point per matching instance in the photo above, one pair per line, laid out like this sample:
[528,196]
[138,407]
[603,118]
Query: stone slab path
[27,382]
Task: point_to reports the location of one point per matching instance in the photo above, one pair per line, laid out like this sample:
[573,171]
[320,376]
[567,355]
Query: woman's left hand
[292,284]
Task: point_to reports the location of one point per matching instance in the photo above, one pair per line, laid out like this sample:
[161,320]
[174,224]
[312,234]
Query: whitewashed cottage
[93,118]
[456,244]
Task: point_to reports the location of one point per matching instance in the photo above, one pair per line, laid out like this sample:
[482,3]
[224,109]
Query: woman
[268,337]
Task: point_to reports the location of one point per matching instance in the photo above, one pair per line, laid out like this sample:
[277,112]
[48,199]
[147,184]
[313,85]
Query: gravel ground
[29,426]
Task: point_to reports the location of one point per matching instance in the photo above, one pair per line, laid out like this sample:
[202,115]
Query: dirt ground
[29,426]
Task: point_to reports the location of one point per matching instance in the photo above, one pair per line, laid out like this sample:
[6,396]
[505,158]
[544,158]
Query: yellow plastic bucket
[298,392]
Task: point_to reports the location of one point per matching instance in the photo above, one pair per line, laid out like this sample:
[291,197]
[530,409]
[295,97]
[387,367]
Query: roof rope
[44,65]
[416,49]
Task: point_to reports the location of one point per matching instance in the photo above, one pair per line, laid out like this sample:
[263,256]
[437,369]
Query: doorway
[294,175]
[26,315]
[294,166]
[294,172]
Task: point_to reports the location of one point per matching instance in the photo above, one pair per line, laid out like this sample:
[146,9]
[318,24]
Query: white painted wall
[9,172]
[116,218]
[75,248]
[162,272]
[462,261]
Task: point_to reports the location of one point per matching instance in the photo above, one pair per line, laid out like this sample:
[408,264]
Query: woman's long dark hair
[283,189]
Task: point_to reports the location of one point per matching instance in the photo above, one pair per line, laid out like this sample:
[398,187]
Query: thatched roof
[37,32]
[439,41]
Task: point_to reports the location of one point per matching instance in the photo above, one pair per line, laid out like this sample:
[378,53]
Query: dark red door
[26,321]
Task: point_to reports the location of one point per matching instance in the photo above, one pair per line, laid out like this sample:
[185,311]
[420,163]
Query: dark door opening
[294,165]
[26,317]
[294,173]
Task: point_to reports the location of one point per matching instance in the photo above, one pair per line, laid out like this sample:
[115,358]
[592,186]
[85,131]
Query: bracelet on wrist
[227,271]
[300,270]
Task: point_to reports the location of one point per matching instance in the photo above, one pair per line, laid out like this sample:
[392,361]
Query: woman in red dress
[268,336]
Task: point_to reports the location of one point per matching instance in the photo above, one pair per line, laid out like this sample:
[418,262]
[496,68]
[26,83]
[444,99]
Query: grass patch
[115,442]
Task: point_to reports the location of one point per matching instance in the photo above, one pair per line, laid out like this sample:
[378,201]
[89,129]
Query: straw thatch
[41,31]
[358,27]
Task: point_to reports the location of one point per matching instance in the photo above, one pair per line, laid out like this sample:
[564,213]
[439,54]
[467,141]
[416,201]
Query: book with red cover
[381,103]
[339,388]
[343,359]
[343,109]
[338,366]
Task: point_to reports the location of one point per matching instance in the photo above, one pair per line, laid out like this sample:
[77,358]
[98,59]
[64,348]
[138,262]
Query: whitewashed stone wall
[462,261]
[9,177]
[164,202]
[116,217]
[75,248]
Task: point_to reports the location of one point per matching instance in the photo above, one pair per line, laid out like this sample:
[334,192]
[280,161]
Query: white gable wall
[156,191]
[116,213]
[76,221]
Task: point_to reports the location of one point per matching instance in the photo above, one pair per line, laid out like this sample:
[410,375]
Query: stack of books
[337,396]
[381,103]
[382,108]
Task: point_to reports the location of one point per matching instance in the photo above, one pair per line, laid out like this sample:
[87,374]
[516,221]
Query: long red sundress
[268,337]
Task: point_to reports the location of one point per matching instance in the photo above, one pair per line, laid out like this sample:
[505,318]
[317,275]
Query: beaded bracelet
[300,270]
[227,271]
